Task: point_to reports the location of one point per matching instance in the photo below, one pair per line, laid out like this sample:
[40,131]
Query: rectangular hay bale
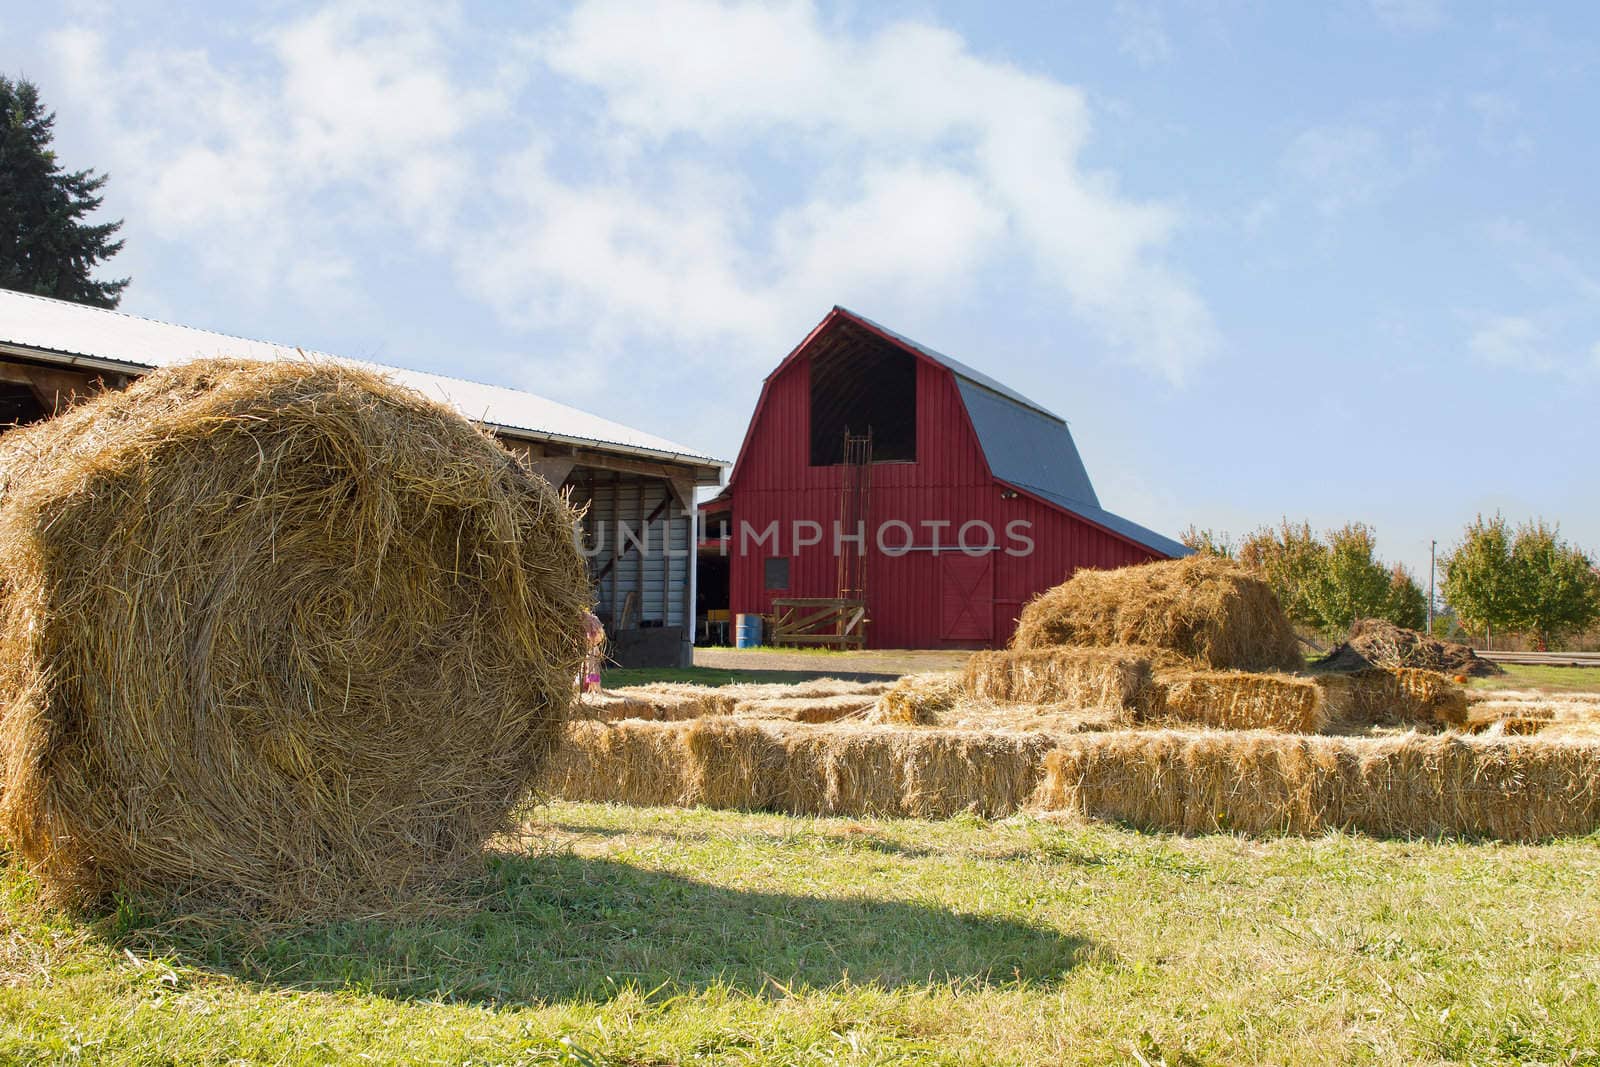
[1258,783]
[1115,679]
[1398,696]
[1238,700]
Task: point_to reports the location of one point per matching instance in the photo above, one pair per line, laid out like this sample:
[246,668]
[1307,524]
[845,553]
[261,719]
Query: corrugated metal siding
[950,481]
[660,576]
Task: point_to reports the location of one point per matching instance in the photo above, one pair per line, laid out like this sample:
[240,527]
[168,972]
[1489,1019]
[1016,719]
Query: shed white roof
[114,340]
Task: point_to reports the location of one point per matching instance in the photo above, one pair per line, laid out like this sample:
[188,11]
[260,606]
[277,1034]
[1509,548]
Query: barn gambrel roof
[1027,446]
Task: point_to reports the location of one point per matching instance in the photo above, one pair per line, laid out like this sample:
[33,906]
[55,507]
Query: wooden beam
[55,389]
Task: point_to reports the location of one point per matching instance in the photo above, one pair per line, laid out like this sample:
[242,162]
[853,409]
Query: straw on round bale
[1266,783]
[282,635]
[1207,610]
[1237,700]
[1111,678]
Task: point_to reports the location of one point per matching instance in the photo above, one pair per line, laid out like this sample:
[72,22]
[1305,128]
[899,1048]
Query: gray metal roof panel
[48,325]
[1025,447]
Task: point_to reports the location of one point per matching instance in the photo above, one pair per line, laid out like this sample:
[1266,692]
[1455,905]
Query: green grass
[1552,679]
[657,936]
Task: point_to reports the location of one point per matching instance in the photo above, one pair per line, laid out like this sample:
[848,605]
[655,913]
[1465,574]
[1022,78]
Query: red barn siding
[950,481]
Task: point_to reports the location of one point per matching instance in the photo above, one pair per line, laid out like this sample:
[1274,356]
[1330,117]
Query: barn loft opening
[859,384]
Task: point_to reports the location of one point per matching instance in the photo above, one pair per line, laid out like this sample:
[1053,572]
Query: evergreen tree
[46,247]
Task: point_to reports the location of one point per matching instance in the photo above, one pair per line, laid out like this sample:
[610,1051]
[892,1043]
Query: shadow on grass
[562,927]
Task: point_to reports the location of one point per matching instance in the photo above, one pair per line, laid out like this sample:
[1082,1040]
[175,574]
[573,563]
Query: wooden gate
[819,621]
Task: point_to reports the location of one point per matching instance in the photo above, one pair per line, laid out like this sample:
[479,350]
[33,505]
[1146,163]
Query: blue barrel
[749,631]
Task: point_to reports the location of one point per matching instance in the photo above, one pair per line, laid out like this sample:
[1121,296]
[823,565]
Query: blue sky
[1331,261]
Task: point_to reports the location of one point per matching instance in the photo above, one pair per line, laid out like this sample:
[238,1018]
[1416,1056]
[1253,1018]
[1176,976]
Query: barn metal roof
[1029,446]
[64,332]
[960,369]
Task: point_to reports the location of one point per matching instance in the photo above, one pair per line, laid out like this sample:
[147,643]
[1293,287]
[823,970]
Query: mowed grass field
[655,936]
[1549,679]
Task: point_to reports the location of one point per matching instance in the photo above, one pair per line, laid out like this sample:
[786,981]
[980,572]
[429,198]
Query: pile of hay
[1110,678]
[1271,784]
[1555,715]
[1207,610]
[280,635]
[1403,696]
[1380,643]
[1237,700]
[821,700]
[918,699]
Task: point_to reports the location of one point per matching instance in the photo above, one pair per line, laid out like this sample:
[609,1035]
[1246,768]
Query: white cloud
[998,146]
[705,174]
[1524,343]
[1510,341]
[1409,15]
[263,175]
[1141,32]
[1341,166]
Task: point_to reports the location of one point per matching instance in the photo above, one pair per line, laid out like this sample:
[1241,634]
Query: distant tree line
[1528,581]
[1327,581]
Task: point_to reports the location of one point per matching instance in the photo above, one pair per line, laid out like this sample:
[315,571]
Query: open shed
[638,489]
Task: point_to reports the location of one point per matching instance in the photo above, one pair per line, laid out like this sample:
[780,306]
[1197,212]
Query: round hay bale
[1207,610]
[282,635]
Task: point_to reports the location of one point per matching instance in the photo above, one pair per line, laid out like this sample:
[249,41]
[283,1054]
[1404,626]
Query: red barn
[878,469]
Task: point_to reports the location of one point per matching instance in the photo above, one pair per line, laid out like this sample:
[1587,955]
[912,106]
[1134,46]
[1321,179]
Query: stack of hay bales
[1198,640]
[1202,609]
[279,635]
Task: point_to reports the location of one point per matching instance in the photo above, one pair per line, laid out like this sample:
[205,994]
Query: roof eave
[708,471]
[1057,505]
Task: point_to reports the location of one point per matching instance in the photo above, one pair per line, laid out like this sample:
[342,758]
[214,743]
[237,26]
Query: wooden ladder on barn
[855,495]
[840,621]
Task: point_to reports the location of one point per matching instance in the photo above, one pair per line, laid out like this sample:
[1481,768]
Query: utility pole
[1433,547]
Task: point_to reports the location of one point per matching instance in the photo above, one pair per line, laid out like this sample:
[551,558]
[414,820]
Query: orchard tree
[1405,604]
[1290,558]
[46,245]
[1208,542]
[1479,581]
[1351,584]
[1557,592]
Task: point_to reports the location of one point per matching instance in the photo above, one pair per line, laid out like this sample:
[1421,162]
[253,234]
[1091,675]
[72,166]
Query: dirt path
[878,663]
